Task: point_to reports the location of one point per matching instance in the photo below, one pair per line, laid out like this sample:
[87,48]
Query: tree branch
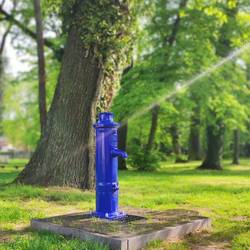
[58,52]
[2,3]
[3,41]
[171,39]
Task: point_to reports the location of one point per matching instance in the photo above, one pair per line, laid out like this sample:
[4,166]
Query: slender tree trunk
[65,155]
[247,149]
[215,140]
[154,121]
[236,147]
[122,144]
[1,94]
[194,138]
[123,130]
[176,142]
[2,62]
[41,65]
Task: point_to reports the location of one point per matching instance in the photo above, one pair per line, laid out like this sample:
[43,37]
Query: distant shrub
[181,159]
[143,161]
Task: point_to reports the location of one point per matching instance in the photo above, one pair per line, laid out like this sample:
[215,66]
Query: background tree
[5,32]
[41,65]
[216,124]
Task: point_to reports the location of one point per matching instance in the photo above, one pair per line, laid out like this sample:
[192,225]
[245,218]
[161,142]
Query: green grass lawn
[222,195]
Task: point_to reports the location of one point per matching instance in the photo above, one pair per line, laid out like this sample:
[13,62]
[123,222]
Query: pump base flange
[109,216]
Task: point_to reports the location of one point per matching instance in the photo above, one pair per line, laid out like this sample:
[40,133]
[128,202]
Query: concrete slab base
[131,234]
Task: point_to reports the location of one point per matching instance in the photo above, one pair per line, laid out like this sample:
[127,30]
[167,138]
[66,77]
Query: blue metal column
[107,167]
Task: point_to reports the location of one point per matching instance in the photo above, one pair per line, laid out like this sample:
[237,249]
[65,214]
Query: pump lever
[117,152]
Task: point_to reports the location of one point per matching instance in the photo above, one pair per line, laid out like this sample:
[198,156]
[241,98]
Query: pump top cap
[106,120]
[106,116]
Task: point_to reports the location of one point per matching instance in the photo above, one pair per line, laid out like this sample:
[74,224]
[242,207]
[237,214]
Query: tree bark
[41,66]
[236,147]
[194,138]
[176,142]
[215,140]
[154,121]
[65,155]
[122,144]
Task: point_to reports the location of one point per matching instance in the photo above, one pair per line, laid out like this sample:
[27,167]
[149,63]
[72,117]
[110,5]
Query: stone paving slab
[128,234]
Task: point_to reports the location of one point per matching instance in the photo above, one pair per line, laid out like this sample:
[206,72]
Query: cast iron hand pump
[107,167]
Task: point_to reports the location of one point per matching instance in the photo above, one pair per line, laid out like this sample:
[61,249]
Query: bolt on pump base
[107,154]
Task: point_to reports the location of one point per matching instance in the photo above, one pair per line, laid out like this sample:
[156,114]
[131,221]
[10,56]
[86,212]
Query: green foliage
[21,115]
[161,70]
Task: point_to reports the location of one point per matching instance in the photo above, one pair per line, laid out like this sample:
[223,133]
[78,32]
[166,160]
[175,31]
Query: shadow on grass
[227,234]
[13,192]
[186,172]
[8,177]
[7,234]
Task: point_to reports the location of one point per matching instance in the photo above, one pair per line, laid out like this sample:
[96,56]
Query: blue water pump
[107,154]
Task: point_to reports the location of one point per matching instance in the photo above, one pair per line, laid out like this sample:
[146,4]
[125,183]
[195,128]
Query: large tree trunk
[176,142]
[194,138]
[236,147]
[65,155]
[154,121]
[122,144]
[215,140]
[41,65]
